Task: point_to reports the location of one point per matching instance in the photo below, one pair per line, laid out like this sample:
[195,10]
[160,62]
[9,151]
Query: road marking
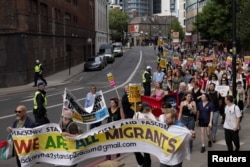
[31,99]
[4,99]
[107,91]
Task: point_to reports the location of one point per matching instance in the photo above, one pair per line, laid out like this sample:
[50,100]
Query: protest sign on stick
[112,83]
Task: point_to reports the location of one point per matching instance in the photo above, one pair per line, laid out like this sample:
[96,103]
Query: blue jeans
[189,122]
[216,115]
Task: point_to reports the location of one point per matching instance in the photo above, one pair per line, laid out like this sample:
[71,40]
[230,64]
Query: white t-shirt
[161,118]
[182,153]
[232,113]
[146,115]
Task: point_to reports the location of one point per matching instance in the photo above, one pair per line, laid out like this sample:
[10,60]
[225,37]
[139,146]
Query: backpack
[80,129]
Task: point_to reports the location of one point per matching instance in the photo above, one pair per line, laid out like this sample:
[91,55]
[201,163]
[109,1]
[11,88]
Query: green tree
[215,21]
[176,26]
[118,23]
[243,20]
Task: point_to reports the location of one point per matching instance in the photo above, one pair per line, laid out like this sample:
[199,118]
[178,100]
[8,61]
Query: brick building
[54,31]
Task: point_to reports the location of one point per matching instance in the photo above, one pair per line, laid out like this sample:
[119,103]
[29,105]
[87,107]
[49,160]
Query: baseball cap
[148,67]
[41,84]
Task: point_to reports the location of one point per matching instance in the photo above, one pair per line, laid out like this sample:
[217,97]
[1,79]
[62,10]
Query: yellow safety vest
[35,102]
[158,59]
[143,76]
[37,68]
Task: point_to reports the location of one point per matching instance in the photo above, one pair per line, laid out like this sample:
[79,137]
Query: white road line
[30,99]
[107,91]
[4,99]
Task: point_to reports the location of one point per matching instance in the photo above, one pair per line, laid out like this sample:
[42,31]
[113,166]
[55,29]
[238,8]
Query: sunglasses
[18,111]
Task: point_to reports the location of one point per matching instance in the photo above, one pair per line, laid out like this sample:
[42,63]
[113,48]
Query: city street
[126,69]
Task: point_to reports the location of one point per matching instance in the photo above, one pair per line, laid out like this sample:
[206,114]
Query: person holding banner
[126,105]
[177,158]
[115,113]
[145,113]
[89,101]
[68,126]
[22,121]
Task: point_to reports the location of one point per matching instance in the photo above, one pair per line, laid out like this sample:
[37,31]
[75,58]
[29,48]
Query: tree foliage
[176,26]
[118,22]
[243,23]
[215,21]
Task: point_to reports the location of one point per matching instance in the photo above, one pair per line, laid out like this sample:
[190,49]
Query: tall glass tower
[140,7]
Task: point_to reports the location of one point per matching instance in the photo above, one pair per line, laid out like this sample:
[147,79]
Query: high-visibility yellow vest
[143,76]
[35,102]
[37,68]
[158,59]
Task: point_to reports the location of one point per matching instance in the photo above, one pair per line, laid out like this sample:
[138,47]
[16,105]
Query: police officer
[146,81]
[38,73]
[40,103]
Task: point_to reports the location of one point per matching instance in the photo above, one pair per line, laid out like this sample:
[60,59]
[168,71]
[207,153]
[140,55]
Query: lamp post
[234,48]
[197,2]
[89,40]
[172,7]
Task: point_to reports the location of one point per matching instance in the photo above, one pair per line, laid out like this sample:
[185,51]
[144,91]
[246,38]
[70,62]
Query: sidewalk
[60,78]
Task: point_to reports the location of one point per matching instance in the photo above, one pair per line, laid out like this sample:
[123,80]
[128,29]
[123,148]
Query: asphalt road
[126,69]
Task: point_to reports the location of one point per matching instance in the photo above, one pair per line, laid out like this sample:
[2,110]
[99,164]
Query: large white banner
[46,144]
[95,113]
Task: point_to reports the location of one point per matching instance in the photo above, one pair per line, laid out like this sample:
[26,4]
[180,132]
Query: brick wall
[41,29]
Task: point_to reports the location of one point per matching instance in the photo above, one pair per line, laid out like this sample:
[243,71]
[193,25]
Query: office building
[138,8]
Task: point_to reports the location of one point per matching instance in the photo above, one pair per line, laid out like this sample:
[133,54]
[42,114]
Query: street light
[89,40]
[197,23]
[234,49]
[172,7]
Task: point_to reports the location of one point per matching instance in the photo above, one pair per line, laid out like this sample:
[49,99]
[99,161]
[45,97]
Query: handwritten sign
[111,80]
[134,93]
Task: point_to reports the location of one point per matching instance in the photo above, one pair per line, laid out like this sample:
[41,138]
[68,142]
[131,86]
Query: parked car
[93,63]
[104,59]
[118,51]
[108,51]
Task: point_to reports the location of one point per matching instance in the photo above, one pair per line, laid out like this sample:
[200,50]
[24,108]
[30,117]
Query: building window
[33,6]
[75,2]
[75,19]
[69,1]
[44,9]
[91,13]
[67,16]
[57,13]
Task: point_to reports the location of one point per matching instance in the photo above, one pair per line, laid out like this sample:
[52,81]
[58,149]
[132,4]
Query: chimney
[134,13]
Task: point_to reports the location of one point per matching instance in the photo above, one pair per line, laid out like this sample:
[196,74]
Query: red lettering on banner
[31,144]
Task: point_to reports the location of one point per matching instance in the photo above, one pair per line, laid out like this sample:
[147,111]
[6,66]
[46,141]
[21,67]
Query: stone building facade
[54,31]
